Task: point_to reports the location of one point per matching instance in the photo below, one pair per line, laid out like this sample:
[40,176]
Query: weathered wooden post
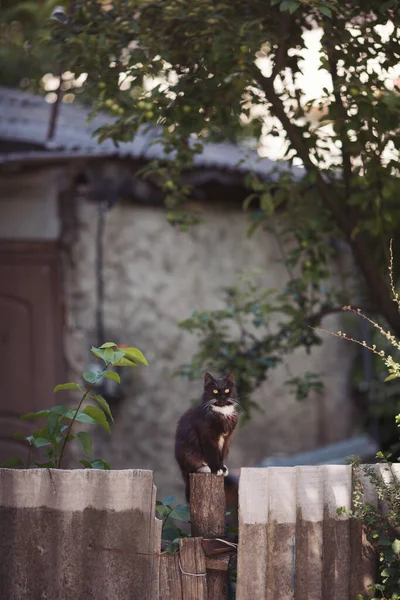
[208,518]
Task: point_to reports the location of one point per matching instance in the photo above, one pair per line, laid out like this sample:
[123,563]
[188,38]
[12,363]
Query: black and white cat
[203,434]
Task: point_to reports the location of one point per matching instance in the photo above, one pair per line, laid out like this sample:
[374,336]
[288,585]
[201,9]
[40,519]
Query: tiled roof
[25,118]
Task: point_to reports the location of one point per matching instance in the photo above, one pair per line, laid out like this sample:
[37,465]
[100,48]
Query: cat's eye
[227,391]
[215,391]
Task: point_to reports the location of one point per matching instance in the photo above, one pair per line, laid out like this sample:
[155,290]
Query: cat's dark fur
[203,434]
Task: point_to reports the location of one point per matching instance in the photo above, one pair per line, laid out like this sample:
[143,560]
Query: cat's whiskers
[237,404]
[208,404]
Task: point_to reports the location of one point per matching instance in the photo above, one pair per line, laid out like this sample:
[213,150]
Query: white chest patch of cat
[228,410]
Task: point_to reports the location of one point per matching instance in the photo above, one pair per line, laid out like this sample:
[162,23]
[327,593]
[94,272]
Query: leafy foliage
[383,522]
[252,334]
[196,71]
[24,31]
[193,68]
[170,513]
[57,432]
[382,525]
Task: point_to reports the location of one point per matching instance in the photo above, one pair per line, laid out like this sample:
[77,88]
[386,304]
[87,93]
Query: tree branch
[342,213]
[281,52]
[316,318]
[342,114]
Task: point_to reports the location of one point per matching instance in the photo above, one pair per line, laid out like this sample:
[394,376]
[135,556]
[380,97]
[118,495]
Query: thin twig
[344,336]
[85,395]
[395,294]
[72,422]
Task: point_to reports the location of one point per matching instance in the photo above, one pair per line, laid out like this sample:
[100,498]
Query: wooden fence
[293,543]
[92,535]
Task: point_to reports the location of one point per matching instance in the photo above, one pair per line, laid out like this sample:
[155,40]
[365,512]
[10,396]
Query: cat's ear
[208,378]
[230,378]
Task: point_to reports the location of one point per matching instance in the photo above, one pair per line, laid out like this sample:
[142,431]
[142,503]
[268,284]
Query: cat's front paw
[203,469]
[220,472]
[225,470]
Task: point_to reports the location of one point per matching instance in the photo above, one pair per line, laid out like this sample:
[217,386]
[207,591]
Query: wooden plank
[253,521]
[309,532]
[207,505]
[157,529]
[281,533]
[170,578]
[208,520]
[363,557]
[336,533]
[193,569]
[218,563]
[217,584]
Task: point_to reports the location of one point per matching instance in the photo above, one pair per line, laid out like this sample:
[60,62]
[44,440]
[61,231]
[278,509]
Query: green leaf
[384,542]
[59,410]
[118,355]
[132,356]
[46,465]
[104,405]
[173,547]
[169,532]
[53,419]
[86,463]
[39,442]
[396,546]
[161,510]
[91,377]
[109,345]
[109,355]
[37,415]
[98,416]
[169,500]
[181,513]
[112,375]
[290,5]
[325,11]
[98,352]
[86,441]
[392,376]
[99,463]
[68,386]
[12,462]
[266,203]
[81,417]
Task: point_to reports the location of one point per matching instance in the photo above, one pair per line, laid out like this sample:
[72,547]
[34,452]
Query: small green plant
[57,432]
[383,525]
[169,513]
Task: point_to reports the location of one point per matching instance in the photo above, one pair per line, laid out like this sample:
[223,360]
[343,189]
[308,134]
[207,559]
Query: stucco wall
[156,275]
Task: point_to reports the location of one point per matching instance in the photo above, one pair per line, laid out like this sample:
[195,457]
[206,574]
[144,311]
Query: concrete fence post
[78,535]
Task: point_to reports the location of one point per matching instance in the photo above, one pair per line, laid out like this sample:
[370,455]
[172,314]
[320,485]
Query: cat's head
[220,393]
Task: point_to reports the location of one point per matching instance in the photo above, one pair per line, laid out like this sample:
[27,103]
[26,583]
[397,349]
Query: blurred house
[87,255]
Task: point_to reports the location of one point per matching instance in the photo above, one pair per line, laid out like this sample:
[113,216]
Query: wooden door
[30,336]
